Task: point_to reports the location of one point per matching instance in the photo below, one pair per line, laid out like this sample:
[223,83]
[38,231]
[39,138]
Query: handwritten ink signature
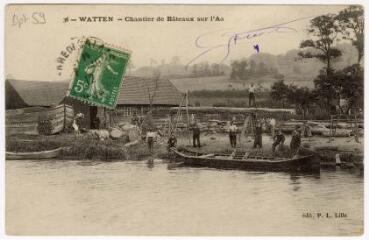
[231,39]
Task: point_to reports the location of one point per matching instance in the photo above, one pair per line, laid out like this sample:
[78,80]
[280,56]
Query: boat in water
[48,154]
[244,161]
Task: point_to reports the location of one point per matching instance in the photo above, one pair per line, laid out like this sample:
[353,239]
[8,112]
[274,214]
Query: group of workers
[278,138]
[277,135]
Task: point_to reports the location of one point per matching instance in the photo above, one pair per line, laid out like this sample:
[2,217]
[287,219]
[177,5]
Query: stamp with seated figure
[99,73]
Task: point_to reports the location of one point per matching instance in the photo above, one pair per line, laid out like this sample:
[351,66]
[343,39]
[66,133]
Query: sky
[35,35]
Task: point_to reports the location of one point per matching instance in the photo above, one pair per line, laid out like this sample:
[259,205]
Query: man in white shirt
[233,134]
[150,137]
[272,124]
[252,95]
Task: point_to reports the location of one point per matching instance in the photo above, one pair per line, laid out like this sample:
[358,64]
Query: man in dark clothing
[295,140]
[278,140]
[96,123]
[172,141]
[134,119]
[196,135]
[258,142]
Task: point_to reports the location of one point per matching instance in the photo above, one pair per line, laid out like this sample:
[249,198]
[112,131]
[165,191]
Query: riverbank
[87,147]
[84,147]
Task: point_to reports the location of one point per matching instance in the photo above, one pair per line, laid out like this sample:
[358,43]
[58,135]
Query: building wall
[124,113]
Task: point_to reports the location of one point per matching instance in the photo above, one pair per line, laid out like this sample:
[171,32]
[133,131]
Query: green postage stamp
[99,73]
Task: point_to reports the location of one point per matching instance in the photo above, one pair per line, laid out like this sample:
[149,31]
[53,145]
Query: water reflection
[144,198]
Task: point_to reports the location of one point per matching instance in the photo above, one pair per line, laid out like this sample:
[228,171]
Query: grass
[30,146]
[84,147]
[89,148]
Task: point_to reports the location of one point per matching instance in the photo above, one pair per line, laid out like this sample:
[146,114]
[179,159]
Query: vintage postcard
[184,120]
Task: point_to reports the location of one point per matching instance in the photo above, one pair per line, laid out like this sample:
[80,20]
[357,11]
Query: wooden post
[188,119]
[65,117]
[105,123]
[331,130]
[356,131]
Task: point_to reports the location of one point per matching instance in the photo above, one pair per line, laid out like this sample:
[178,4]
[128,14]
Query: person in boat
[172,141]
[258,141]
[306,130]
[150,138]
[195,134]
[233,134]
[295,140]
[272,124]
[279,139]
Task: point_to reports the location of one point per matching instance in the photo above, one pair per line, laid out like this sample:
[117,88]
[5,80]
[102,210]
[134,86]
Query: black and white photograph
[197,120]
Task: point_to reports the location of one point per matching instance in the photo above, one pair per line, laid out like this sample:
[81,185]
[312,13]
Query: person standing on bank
[252,95]
[150,137]
[295,141]
[258,141]
[196,134]
[233,134]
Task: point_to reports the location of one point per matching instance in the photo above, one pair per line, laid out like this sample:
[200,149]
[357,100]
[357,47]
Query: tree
[239,69]
[351,25]
[351,85]
[326,87]
[279,92]
[301,97]
[262,69]
[323,30]
[252,67]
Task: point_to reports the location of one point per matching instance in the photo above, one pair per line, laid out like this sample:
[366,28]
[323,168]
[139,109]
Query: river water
[137,198]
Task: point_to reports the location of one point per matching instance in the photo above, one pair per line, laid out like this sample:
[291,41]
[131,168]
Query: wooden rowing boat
[33,155]
[243,161]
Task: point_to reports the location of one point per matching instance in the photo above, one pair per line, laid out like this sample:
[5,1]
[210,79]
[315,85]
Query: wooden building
[135,96]
[25,94]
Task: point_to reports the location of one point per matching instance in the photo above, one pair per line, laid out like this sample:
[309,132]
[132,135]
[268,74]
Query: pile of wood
[323,128]
[38,120]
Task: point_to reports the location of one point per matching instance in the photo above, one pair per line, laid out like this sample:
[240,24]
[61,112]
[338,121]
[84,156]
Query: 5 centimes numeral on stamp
[99,73]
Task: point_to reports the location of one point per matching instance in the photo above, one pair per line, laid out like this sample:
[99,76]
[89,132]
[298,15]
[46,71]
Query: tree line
[330,85]
[205,69]
[243,70]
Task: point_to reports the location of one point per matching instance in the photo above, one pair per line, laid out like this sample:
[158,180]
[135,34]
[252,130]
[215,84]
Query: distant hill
[294,69]
[303,71]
